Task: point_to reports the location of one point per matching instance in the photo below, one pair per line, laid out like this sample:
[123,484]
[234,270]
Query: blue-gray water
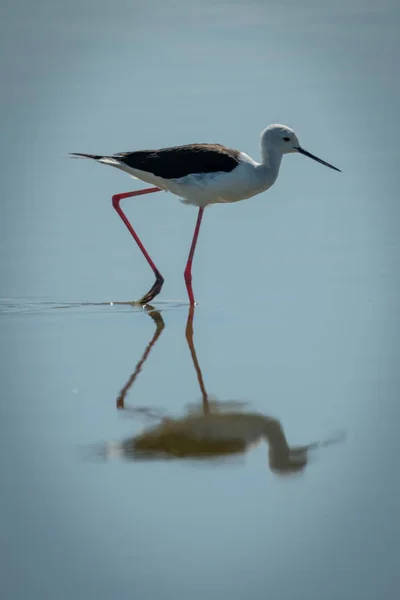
[298,294]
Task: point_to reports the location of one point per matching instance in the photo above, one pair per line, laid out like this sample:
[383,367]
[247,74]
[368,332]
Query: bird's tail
[79,155]
[105,160]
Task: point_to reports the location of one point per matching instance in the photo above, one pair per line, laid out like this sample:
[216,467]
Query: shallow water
[297,319]
[80,524]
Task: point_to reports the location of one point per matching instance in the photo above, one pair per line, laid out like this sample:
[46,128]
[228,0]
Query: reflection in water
[212,430]
[158,320]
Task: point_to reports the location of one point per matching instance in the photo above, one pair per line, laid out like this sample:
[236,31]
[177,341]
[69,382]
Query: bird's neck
[271,162]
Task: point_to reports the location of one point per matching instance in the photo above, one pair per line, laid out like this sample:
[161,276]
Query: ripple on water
[26,306]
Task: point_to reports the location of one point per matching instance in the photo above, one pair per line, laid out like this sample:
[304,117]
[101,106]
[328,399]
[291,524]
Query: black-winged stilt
[202,174]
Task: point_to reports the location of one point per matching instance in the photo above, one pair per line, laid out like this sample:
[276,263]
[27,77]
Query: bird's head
[284,140]
[281,138]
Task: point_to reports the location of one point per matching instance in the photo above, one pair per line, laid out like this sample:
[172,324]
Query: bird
[202,174]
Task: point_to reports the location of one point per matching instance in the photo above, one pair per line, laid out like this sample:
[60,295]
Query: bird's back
[179,161]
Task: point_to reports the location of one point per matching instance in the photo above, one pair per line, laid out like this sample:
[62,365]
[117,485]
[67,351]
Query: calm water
[298,294]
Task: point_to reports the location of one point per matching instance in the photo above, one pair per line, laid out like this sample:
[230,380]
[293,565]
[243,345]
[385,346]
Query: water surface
[298,302]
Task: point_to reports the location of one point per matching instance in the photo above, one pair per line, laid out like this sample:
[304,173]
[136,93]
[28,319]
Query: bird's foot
[154,290]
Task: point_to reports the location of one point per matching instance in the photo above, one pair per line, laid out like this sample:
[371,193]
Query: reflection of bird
[203,174]
[211,430]
[215,435]
[159,321]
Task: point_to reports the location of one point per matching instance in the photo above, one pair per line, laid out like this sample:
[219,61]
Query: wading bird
[201,175]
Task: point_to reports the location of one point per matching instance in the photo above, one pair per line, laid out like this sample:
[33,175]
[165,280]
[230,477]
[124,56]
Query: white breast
[213,188]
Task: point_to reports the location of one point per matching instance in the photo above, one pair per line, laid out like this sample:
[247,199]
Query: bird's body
[200,174]
[204,174]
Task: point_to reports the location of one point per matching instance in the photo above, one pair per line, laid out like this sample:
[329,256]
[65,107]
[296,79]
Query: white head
[283,140]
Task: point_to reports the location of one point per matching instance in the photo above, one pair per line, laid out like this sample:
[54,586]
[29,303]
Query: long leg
[188,268]
[116,199]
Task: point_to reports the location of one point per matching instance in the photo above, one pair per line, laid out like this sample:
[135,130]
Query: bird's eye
[286,139]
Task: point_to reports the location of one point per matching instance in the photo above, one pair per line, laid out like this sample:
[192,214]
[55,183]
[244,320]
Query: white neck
[271,161]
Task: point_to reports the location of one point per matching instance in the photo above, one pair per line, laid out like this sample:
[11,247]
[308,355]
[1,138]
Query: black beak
[316,158]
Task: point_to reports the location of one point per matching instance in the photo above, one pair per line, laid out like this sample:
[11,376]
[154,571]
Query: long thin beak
[316,158]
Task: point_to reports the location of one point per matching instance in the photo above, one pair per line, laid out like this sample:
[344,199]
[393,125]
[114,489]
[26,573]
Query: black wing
[179,161]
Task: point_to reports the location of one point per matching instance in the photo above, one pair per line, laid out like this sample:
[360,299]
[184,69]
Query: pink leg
[188,268]
[156,289]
